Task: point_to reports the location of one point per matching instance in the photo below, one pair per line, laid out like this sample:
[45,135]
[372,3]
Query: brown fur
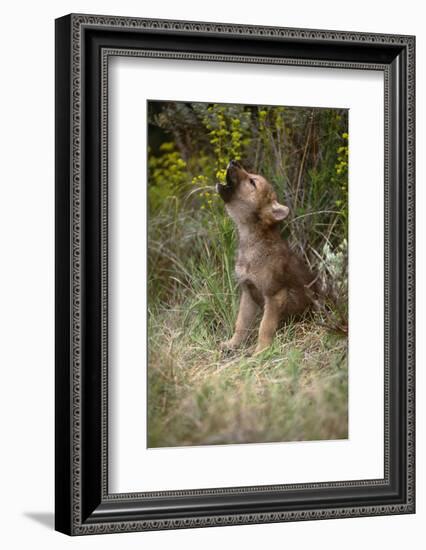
[269,274]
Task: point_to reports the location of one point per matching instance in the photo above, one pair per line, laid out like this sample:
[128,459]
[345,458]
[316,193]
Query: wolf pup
[269,274]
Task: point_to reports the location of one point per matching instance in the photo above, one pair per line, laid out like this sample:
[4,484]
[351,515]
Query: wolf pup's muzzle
[226,191]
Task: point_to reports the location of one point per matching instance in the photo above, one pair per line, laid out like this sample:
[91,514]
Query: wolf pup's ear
[279,211]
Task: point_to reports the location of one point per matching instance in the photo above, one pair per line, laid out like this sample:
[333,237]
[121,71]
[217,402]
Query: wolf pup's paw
[228,345]
[260,348]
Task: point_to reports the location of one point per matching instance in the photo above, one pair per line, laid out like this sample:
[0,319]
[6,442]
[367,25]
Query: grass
[295,391]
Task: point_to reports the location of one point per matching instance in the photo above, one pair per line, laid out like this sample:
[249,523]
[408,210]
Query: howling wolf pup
[269,274]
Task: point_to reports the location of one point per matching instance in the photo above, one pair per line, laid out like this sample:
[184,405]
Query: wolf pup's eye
[253,182]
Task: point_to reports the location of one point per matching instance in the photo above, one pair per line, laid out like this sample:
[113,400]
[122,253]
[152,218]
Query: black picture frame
[83,45]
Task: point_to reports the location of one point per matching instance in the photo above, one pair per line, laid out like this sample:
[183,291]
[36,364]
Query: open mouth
[226,190]
[232,171]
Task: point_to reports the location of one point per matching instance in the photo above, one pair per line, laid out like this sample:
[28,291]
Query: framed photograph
[234,274]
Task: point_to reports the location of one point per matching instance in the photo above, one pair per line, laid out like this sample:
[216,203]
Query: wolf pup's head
[250,198]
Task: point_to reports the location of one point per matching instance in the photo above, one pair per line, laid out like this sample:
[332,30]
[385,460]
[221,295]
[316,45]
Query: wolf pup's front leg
[246,315]
[272,314]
